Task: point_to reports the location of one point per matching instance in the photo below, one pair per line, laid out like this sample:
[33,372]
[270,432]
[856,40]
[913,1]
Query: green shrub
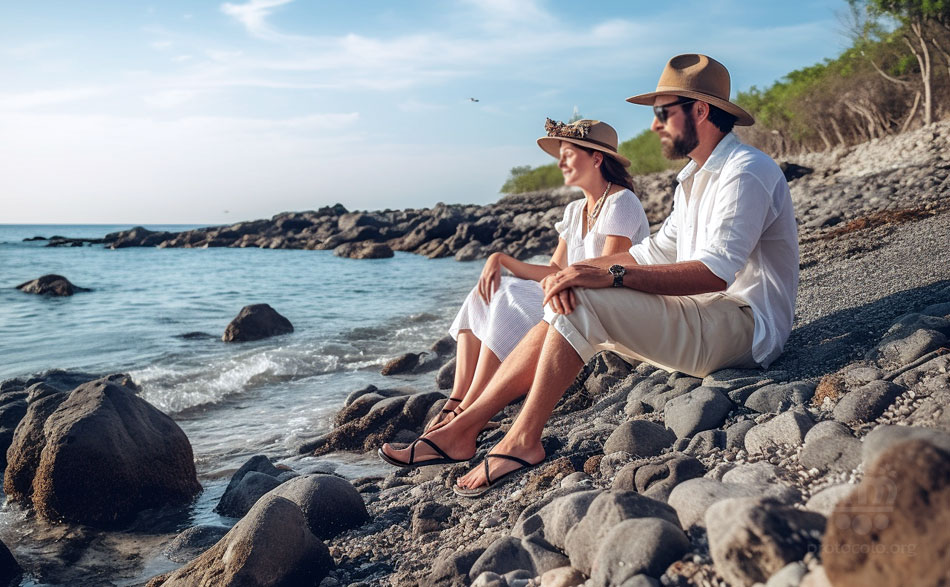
[525,179]
[646,155]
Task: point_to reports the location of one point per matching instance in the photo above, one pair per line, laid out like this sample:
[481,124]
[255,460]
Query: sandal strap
[435,447]
[454,399]
[521,462]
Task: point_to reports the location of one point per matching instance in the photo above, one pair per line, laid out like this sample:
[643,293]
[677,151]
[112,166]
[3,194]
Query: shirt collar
[716,159]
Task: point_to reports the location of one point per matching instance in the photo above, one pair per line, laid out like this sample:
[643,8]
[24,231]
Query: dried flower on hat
[576,130]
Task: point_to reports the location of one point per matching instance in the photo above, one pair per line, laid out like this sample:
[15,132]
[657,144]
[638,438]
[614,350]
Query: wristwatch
[618,272]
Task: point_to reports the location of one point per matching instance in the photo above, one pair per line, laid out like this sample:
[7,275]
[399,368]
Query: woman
[500,310]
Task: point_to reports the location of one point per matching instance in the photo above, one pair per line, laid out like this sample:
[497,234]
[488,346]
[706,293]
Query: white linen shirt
[735,215]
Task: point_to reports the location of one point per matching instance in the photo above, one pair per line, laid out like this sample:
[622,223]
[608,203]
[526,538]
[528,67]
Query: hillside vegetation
[895,76]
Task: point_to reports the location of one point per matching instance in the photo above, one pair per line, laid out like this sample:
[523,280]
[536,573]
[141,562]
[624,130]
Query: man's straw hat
[592,134]
[700,77]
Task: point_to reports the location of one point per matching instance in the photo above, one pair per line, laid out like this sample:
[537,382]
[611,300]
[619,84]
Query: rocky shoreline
[830,467]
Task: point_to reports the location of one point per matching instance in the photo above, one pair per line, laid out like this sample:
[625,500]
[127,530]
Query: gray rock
[729,379]
[364,250]
[735,434]
[703,408]
[640,438]
[558,517]
[330,504]
[788,428]
[859,376]
[657,478]
[193,541]
[445,378]
[106,455]
[404,363]
[504,555]
[824,501]
[50,285]
[270,546]
[692,498]
[429,516]
[489,579]
[705,442]
[252,486]
[779,397]
[912,336]
[255,322]
[606,511]
[563,577]
[451,568]
[866,403]
[883,437]
[751,539]
[761,473]
[638,546]
[829,446]
[544,555]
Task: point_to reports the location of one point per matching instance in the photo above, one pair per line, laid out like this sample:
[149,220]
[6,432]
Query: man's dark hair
[719,117]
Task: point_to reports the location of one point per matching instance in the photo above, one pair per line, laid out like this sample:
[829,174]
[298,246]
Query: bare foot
[456,448]
[498,467]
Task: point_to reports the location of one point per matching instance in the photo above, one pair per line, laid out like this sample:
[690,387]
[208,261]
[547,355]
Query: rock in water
[894,528]
[331,504]
[50,285]
[364,250]
[401,364]
[255,322]
[270,546]
[107,454]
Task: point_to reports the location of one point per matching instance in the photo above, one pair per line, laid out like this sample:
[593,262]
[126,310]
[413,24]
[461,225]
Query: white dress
[516,305]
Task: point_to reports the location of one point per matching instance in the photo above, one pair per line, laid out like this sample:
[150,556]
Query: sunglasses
[662,112]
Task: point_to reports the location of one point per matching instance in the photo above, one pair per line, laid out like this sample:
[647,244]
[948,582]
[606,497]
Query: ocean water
[232,400]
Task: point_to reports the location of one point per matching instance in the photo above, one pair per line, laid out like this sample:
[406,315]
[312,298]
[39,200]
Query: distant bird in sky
[474,99]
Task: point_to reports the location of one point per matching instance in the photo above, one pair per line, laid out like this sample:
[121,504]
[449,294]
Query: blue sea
[232,400]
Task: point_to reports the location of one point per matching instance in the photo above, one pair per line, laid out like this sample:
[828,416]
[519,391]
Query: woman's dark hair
[719,117]
[613,171]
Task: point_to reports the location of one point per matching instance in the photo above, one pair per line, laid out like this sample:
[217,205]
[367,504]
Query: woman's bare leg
[467,359]
[488,364]
[511,381]
[557,367]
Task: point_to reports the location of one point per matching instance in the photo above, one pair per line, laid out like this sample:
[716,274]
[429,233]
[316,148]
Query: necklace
[592,216]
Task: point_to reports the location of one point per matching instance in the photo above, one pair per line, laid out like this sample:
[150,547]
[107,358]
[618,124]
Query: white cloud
[253,15]
[170,98]
[162,45]
[26,100]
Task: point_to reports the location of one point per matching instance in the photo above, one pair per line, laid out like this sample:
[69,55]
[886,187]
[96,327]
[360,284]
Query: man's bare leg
[512,380]
[557,367]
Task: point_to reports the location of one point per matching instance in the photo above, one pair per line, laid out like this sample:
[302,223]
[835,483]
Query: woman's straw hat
[700,77]
[592,134]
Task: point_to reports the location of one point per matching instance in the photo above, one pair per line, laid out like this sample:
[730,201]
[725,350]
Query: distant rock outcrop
[50,285]
[255,322]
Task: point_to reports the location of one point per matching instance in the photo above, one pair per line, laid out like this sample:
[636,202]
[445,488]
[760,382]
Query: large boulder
[751,539]
[894,527]
[50,285]
[331,504]
[638,546]
[28,440]
[608,509]
[272,545]
[255,322]
[248,484]
[107,454]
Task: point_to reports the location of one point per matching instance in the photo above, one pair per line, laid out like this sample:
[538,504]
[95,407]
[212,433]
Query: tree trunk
[923,59]
[913,111]
[837,129]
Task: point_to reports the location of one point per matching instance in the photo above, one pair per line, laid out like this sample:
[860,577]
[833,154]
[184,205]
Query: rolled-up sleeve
[658,248]
[742,209]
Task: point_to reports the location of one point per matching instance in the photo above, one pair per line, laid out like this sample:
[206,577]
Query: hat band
[588,140]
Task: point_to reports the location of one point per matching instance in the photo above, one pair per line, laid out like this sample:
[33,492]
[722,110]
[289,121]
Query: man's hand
[557,286]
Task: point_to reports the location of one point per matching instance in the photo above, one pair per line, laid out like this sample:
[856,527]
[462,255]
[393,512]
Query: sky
[202,112]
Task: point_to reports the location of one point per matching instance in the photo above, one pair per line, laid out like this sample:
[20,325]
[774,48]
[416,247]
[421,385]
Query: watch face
[616,269]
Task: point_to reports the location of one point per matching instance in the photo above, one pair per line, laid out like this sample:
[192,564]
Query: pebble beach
[832,467]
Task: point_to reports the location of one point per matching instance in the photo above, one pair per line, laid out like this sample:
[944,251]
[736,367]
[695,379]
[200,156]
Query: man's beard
[683,145]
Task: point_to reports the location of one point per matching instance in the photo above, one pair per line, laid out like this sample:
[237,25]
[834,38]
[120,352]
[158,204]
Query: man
[715,287]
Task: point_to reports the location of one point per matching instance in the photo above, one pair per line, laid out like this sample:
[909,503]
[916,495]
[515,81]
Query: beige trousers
[695,335]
